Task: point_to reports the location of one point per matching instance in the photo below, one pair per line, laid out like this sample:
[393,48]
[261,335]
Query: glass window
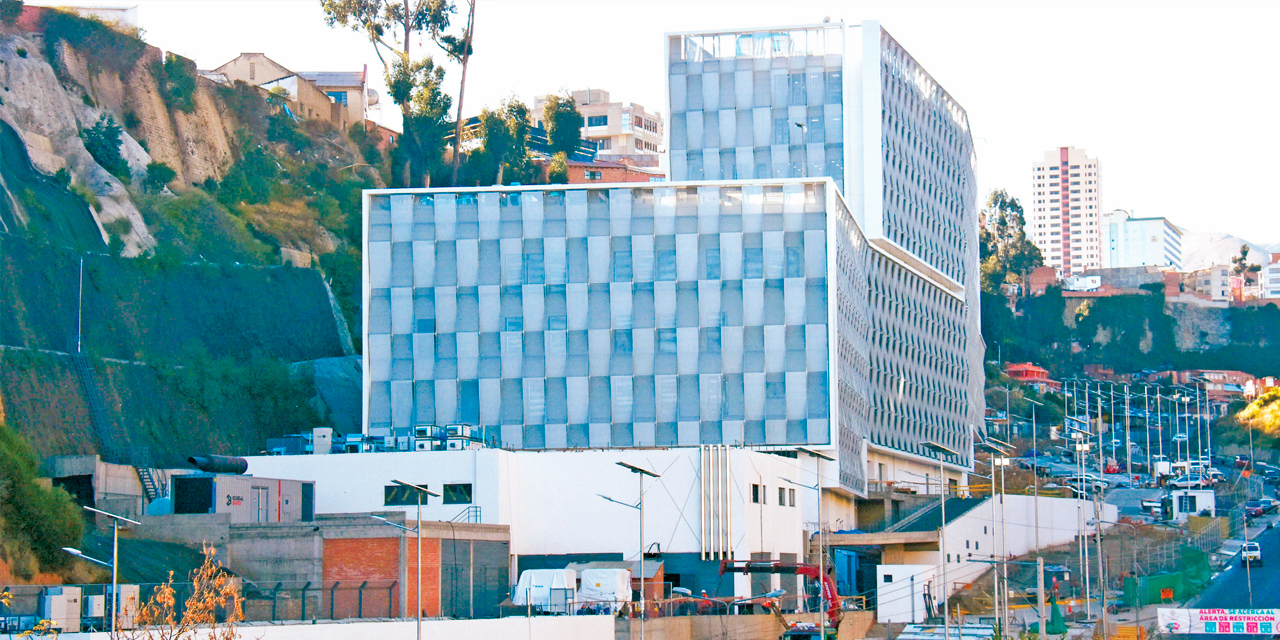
[597,121]
[753,262]
[621,266]
[666,340]
[712,257]
[665,264]
[795,262]
[457,494]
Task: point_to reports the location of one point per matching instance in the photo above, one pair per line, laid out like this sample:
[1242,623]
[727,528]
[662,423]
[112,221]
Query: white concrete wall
[973,536]
[537,628]
[900,590]
[551,499]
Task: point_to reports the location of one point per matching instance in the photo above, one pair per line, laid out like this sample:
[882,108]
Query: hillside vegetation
[1131,333]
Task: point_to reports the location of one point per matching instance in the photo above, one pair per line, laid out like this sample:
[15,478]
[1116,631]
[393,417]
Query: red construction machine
[810,571]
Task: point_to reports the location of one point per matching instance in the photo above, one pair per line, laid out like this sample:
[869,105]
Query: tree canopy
[1005,253]
[564,124]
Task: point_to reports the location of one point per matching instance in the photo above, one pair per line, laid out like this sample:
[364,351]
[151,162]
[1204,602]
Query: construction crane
[794,631]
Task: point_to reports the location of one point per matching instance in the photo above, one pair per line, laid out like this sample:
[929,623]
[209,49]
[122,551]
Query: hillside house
[341,97]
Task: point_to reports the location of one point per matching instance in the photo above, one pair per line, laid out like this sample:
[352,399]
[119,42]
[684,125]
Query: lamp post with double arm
[419,491]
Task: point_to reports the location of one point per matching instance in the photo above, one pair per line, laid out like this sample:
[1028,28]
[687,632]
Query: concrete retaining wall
[538,628]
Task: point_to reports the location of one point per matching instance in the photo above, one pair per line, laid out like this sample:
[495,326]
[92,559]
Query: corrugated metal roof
[334,78]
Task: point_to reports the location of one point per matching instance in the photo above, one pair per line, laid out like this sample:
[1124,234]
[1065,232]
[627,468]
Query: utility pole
[1128,444]
[80,307]
[1040,594]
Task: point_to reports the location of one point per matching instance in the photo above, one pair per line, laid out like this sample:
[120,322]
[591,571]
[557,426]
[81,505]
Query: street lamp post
[942,531]
[419,491]
[642,472]
[822,551]
[1035,479]
[115,559]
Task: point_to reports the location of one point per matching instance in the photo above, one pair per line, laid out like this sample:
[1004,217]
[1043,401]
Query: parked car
[1242,461]
[1189,481]
[1269,505]
[1254,508]
[1181,437]
[1216,475]
[1271,476]
[1250,553]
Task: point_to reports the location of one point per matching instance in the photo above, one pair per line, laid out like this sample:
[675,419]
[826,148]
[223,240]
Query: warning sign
[1261,621]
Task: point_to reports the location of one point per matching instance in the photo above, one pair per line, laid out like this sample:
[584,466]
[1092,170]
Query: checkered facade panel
[667,316]
[930,186]
[736,101]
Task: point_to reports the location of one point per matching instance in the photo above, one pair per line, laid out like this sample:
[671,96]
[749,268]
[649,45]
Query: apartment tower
[1064,217]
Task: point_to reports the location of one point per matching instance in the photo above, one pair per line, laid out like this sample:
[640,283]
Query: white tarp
[612,586]
[1252,621]
[535,585]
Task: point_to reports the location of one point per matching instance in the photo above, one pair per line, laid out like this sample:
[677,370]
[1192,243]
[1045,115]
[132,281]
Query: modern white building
[621,131]
[809,278]
[1128,241]
[1064,215]
[1269,278]
[710,503]
[848,101]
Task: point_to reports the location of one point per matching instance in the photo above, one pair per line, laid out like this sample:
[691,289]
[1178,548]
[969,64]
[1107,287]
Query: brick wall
[353,561]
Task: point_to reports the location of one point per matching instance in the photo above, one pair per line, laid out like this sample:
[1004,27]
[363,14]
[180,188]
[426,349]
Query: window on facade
[457,493]
[639,143]
[593,175]
[782,496]
[394,495]
[597,121]
[339,97]
[755,494]
[253,70]
[604,144]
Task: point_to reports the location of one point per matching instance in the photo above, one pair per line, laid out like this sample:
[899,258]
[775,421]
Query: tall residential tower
[1064,216]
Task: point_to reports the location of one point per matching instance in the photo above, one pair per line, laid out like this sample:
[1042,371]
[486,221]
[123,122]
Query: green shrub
[22,53]
[118,227]
[159,174]
[87,100]
[107,47]
[62,176]
[102,141]
[249,180]
[176,77]
[39,519]
[282,128]
[86,196]
[10,10]
[131,120]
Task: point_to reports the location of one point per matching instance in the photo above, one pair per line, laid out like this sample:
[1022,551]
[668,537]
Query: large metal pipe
[219,464]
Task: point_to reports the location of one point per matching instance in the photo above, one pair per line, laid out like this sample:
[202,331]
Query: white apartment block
[1128,241]
[1213,282]
[1269,278]
[619,129]
[1064,215]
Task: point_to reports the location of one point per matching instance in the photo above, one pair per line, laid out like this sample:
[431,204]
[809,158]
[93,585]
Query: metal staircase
[111,439]
[471,515]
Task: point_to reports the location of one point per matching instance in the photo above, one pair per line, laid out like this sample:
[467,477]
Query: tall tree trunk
[462,87]
[406,176]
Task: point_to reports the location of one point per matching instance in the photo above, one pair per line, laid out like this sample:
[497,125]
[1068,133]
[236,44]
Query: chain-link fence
[334,600]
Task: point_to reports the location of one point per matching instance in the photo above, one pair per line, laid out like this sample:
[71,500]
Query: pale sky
[1176,99]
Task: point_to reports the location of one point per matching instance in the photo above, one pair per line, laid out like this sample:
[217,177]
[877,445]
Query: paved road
[1231,589]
